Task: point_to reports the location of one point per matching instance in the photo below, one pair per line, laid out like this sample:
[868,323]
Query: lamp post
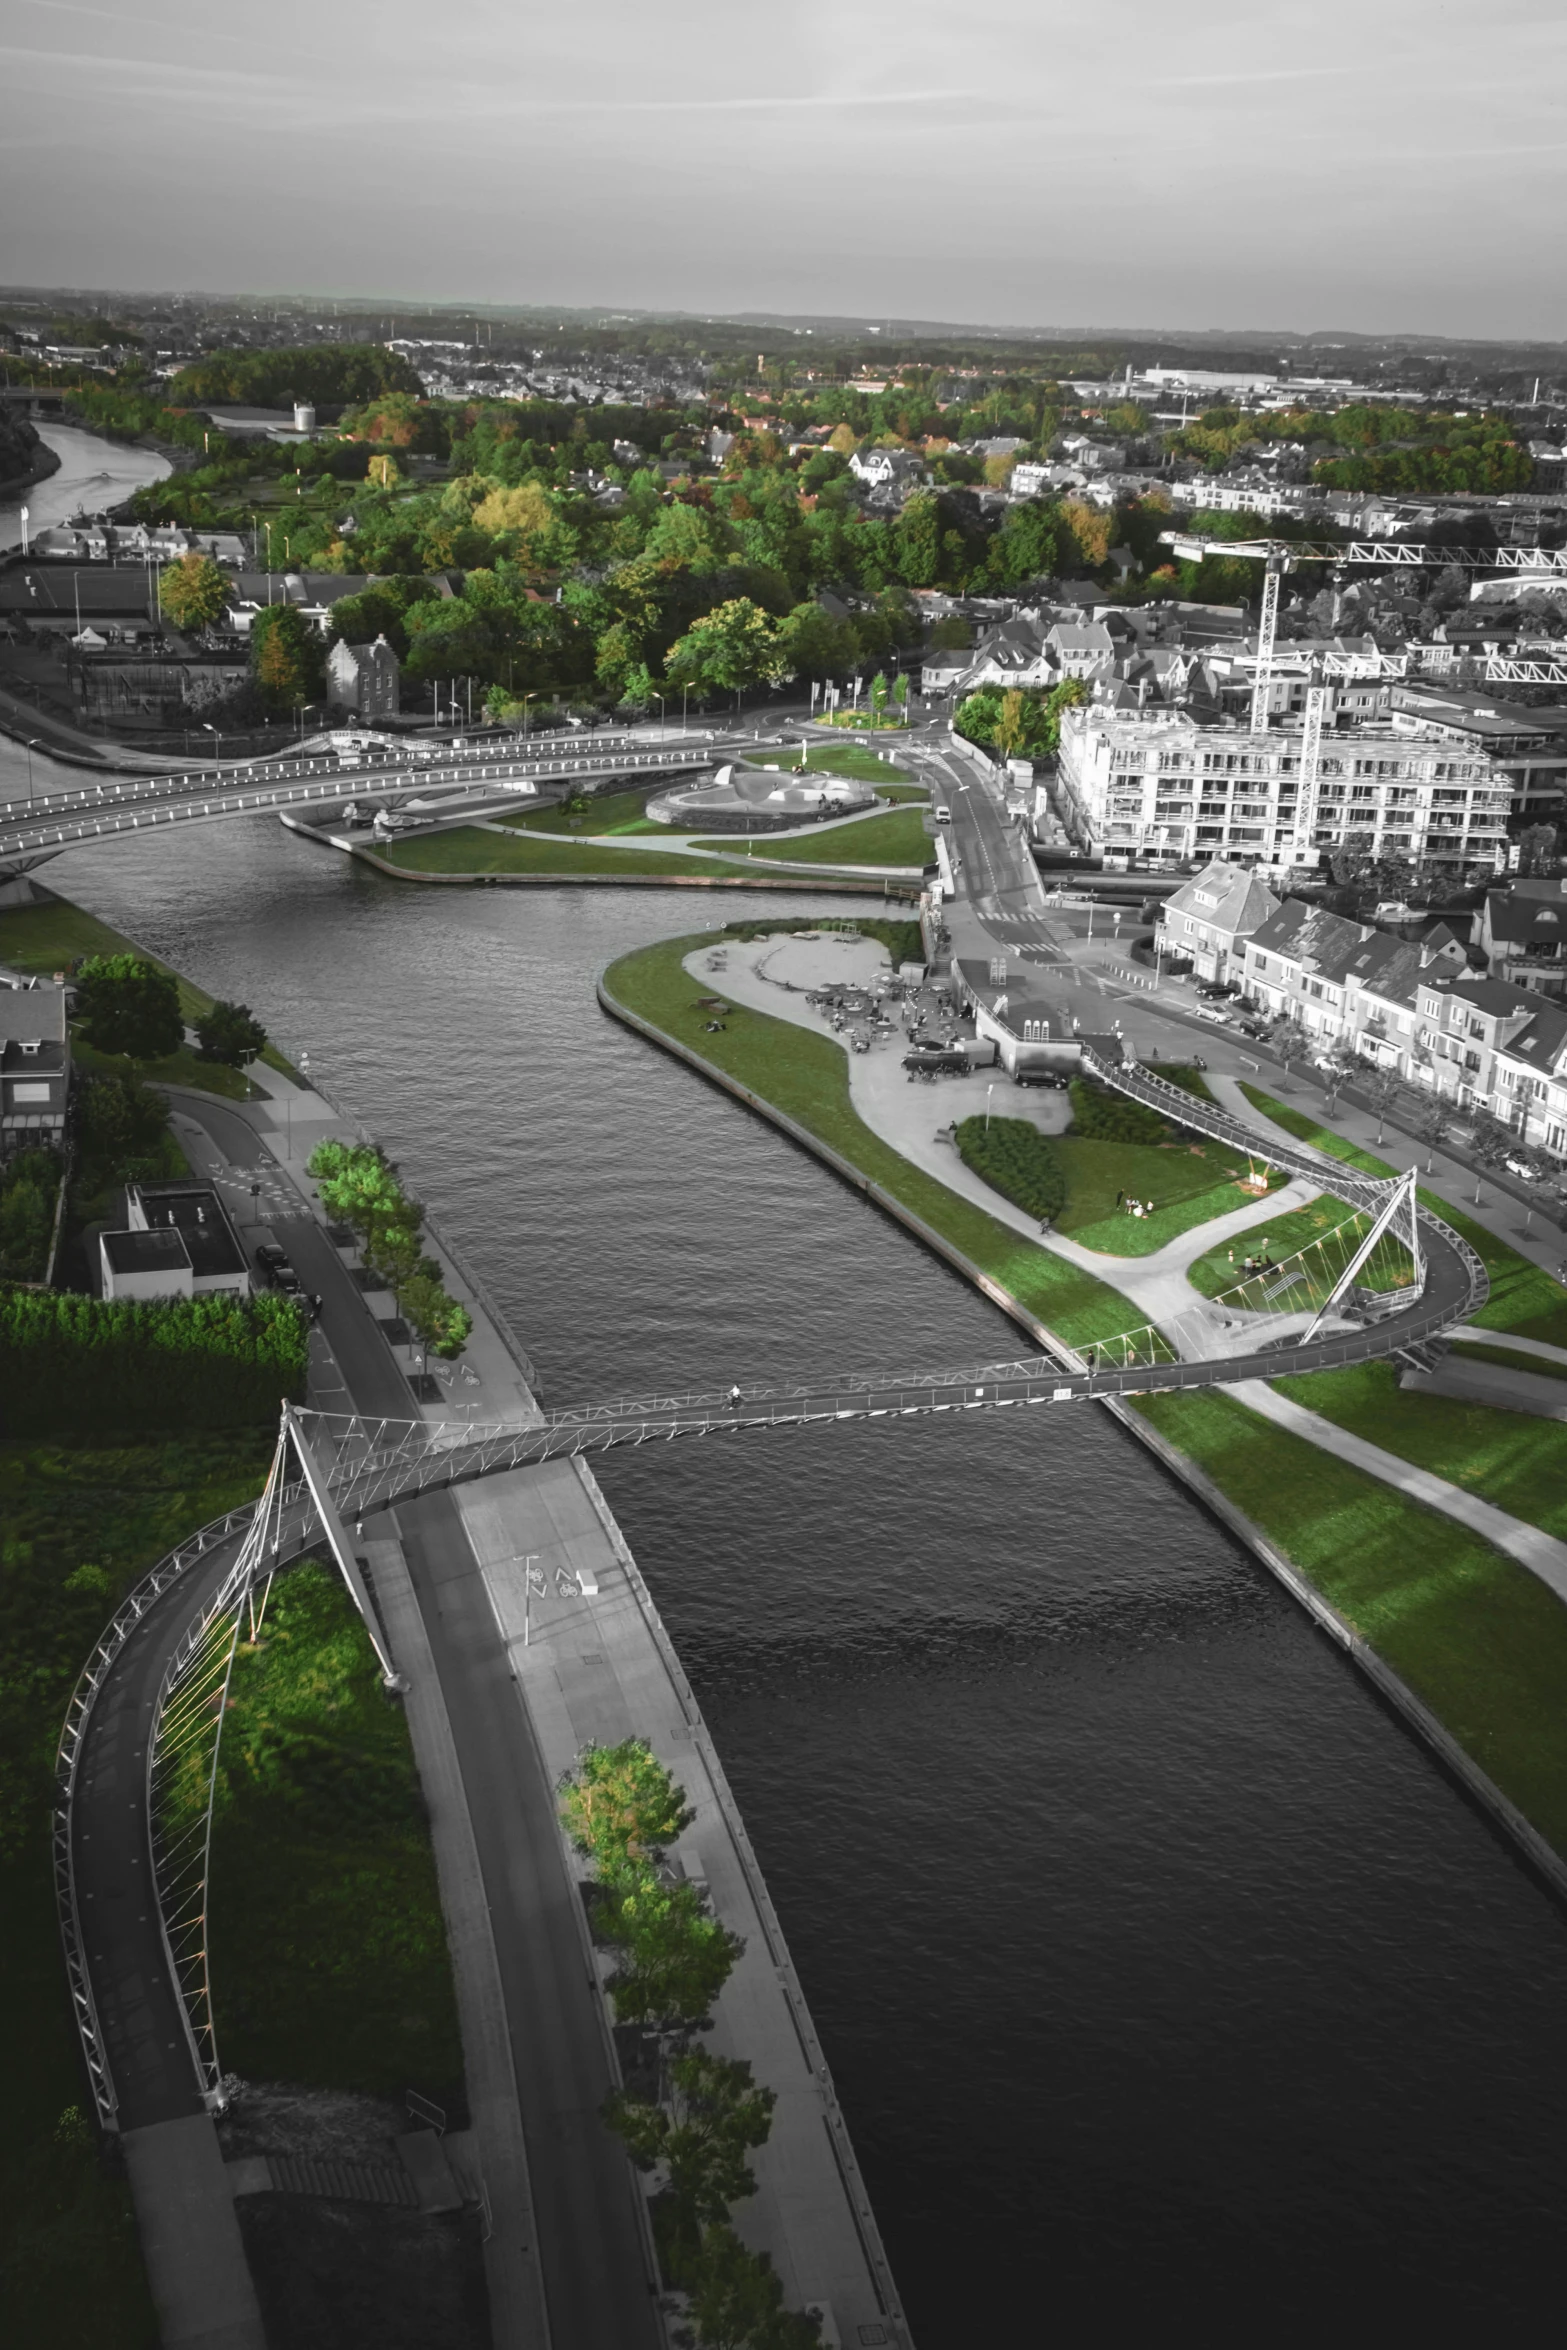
[31,747]
[25,511]
[989,1090]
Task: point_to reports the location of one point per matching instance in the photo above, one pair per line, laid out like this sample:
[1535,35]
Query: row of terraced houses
[1482,1023]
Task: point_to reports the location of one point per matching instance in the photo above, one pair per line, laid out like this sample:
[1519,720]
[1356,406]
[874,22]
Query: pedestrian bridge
[137,1756]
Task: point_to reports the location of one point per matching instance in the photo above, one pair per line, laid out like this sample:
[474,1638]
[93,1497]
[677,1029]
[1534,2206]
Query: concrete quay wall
[1504,1815]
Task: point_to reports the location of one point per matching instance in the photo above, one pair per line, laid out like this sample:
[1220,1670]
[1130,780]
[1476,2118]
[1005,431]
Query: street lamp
[33,745]
[989,1090]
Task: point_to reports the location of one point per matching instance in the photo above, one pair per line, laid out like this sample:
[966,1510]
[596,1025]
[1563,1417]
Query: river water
[1164,1977]
[94,475]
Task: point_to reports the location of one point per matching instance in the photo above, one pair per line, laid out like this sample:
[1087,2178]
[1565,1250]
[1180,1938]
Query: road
[585,2195]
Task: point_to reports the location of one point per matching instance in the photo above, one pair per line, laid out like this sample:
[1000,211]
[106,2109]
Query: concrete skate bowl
[758,799]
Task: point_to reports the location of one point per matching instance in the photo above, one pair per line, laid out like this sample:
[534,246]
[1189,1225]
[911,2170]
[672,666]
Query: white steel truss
[1399,1220]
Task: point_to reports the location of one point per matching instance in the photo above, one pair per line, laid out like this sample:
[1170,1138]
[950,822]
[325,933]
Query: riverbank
[1469,1646]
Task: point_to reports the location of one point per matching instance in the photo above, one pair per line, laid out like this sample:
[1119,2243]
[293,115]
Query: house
[1522,933]
[1210,917]
[888,470]
[177,1242]
[366,679]
[35,1067]
[1086,649]
[1013,654]
[312,593]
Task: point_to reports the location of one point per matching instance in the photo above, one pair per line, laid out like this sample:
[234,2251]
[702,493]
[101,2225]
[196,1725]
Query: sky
[1388,166]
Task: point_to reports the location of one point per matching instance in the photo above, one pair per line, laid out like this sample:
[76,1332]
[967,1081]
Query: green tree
[127,1005]
[715,2116]
[677,1956]
[230,1033]
[737,2300]
[120,1126]
[723,651]
[435,1317]
[286,658]
[192,593]
[621,1805]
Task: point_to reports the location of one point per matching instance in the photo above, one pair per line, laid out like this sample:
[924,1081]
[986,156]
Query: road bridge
[100,809]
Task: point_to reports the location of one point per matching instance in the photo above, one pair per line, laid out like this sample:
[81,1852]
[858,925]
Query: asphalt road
[584,2193]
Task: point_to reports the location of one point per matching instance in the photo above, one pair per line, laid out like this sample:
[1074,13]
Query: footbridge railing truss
[1406,1273]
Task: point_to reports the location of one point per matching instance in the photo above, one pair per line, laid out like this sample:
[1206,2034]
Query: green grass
[897,838]
[1475,1635]
[844,759]
[1523,1295]
[80,1521]
[329,1961]
[1510,1459]
[1179,1180]
[807,1076]
[182,1068]
[468,850]
[49,936]
[607,812]
[1281,1237]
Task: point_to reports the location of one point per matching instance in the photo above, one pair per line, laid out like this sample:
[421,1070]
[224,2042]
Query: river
[94,475]
[1166,1979]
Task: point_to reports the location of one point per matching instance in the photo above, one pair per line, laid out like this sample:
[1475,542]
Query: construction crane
[1281,555]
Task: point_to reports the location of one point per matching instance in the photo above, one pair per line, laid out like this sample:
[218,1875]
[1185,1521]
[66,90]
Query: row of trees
[622,1809]
[359,1187]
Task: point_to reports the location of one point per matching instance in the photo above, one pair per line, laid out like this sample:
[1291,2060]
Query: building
[177,1242]
[1343,981]
[1210,918]
[366,679]
[1081,649]
[35,1067]
[1522,933]
[1157,783]
[1030,1033]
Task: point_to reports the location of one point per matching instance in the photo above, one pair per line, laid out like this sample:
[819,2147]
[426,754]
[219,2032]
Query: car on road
[273,1265]
[1212,1012]
[942,814]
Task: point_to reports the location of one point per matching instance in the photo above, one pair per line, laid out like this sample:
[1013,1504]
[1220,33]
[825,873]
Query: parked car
[1211,1012]
[279,1273]
[1217,987]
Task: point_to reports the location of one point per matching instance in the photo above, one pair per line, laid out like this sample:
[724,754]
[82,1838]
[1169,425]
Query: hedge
[87,1366]
[1014,1158]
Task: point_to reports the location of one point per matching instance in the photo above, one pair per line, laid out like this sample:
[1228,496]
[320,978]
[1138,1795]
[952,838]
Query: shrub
[86,1365]
[1015,1159]
[27,1196]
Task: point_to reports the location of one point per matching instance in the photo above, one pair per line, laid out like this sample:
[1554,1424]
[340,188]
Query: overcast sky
[1388,165]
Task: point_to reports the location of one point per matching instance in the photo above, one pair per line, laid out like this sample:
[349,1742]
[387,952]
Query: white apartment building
[1155,784]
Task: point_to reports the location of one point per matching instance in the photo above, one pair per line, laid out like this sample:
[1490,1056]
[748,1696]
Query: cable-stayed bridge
[1387,1278]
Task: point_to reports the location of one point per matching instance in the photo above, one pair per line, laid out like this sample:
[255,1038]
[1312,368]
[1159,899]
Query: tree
[621,1804]
[878,697]
[435,1317]
[1537,848]
[1384,1086]
[737,2300]
[286,657]
[120,1125]
[127,1005]
[716,2115]
[900,694]
[1288,1038]
[678,1957]
[193,592]
[727,649]
[1340,1065]
[230,1033]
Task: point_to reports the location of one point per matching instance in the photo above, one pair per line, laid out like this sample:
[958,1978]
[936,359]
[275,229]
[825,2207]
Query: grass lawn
[842,759]
[182,1068]
[49,936]
[1523,1295]
[329,1963]
[807,1076]
[607,812]
[468,850]
[1282,1236]
[1510,1459]
[1179,1179]
[79,1522]
[896,838]
[1474,1634]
